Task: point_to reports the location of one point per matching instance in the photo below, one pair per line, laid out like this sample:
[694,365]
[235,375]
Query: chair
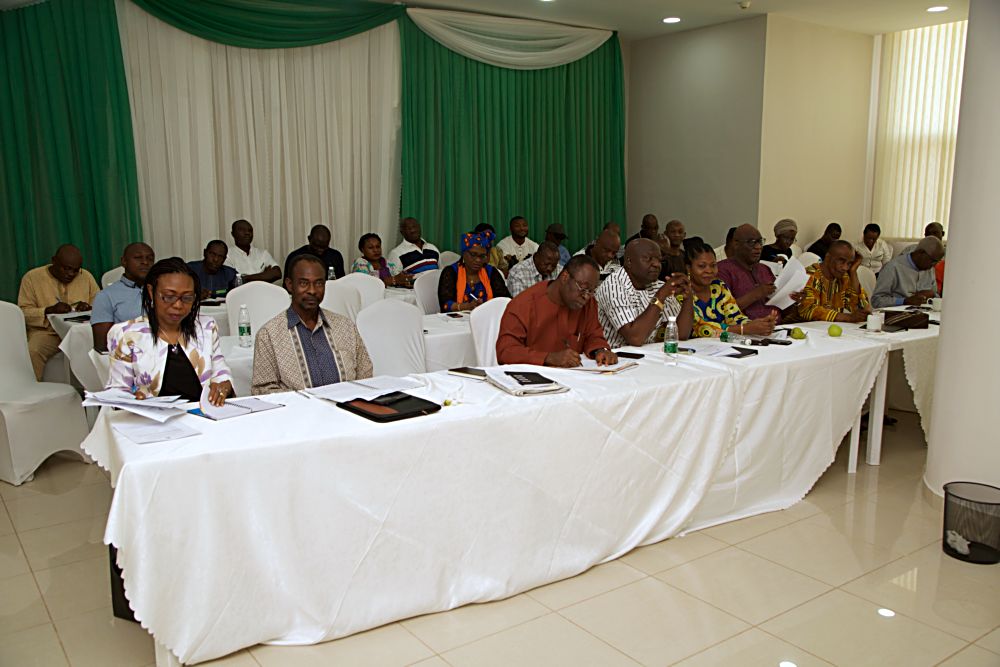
[485,322]
[448,258]
[720,253]
[342,298]
[370,288]
[809,258]
[102,366]
[112,276]
[263,301]
[393,332]
[37,419]
[867,279]
[425,288]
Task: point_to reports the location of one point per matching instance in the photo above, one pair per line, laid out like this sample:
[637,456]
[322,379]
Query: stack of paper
[717,350]
[364,389]
[523,383]
[591,366]
[158,408]
[791,280]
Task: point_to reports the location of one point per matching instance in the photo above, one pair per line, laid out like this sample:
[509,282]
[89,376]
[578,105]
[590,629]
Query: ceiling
[640,19]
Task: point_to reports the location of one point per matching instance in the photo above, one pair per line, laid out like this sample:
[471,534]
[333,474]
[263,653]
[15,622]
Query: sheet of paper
[225,411]
[344,391]
[792,279]
[146,433]
[716,350]
[386,383]
[591,365]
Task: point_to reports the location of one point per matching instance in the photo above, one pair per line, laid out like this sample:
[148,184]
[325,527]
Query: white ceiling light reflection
[787,663]
[936,9]
[888,613]
[671,19]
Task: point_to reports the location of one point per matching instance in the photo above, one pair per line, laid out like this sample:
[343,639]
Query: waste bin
[972,522]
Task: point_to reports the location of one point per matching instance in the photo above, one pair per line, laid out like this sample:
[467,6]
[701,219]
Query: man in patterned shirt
[632,303]
[543,265]
[306,346]
[833,293]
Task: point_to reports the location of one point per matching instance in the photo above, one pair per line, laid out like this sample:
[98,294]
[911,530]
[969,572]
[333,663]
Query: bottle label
[244,330]
[670,347]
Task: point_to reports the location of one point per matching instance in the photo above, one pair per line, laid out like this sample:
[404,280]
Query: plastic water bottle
[331,274]
[238,280]
[670,339]
[246,340]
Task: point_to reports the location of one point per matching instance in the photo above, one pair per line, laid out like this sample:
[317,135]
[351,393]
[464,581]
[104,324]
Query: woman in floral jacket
[170,350]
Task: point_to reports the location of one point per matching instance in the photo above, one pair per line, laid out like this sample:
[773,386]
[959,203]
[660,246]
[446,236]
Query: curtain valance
[272,25]
[508,42]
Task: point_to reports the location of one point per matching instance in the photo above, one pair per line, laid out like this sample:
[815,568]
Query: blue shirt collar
[909,258]
[128,283]
[294,319]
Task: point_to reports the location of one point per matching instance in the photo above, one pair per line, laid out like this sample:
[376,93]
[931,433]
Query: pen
[298,391]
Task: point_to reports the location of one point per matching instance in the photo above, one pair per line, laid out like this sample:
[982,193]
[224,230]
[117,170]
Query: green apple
[798,334]
[835,330]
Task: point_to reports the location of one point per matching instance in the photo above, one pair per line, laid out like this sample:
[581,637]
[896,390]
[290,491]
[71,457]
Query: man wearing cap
[556,234]
[782,250]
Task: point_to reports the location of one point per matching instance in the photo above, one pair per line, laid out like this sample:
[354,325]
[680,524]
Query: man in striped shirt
[543,265]
[633,304]
[834,293]
[413,254]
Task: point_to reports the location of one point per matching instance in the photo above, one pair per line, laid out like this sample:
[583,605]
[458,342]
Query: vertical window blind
[919,92]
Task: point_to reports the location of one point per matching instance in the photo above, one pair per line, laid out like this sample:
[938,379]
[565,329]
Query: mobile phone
[455,315]
[469,372]
[630,355]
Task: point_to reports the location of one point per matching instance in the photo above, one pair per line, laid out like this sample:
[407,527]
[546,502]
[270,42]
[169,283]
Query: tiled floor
[853,575]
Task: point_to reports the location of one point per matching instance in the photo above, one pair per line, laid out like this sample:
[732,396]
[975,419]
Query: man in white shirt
[517,246]
[414,255]
[632,303]
[875,253]
[250,262]
[543,265]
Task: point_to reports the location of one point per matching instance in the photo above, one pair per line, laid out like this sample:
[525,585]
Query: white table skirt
[307,523]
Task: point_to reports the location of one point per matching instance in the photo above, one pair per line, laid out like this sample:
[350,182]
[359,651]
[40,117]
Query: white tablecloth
[308,523]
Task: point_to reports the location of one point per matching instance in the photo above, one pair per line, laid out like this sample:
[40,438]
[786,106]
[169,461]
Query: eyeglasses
[752,243]
[186,299]
[583,290]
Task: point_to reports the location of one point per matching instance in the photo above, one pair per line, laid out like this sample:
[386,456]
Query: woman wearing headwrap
[471,281]
[785,232]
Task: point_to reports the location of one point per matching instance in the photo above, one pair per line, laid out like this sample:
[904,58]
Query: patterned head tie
[483,238]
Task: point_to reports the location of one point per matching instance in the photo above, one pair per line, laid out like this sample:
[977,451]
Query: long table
[308,523]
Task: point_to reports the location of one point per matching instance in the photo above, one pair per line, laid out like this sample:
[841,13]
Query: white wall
[694,119]
[814,135]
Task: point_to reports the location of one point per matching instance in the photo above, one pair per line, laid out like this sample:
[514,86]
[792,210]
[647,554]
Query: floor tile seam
[591,597]
[58,523]
[491,634]
[766,532]
[5,634]
[925,624]
[985,648]
[34,580]
[415,636]
[598,638]
[713,606]
[16,496]
[787,641]
[950,656]
[787,567]
[102,557]
[897,554]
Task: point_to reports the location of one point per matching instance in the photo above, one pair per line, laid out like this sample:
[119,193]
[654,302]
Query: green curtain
[483,143]
[272,24]
[67,160]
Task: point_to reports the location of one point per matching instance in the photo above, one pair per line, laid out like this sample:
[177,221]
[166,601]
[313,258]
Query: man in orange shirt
[553,322]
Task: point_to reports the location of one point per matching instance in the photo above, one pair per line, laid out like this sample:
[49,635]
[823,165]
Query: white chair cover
[393,332]
[37,419]
[485,322]
[371,289]
[867,279]
[425,288]
[796,250]
[448,258]
[102,366]
[809,258]
[343,298]
[263,300]
[112,276]
[774,266]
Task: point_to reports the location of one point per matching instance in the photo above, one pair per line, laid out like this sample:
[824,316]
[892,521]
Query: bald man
[909,278]
[604,251]
[121,301]
[751,283]
[633,303]
[649,228]
[319,246]
[62,286]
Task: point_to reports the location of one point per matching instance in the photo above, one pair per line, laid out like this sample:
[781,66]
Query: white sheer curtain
[920,87]
[286,138]
[507,42]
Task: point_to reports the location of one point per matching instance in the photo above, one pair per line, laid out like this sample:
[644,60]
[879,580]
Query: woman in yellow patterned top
[714,304]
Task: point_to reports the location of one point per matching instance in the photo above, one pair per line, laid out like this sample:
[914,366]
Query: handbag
[902,321]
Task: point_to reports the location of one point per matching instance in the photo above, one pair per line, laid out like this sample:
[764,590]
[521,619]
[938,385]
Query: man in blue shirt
[216,278]
[909,278]
[319,246]
[122,300]
[557,234]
